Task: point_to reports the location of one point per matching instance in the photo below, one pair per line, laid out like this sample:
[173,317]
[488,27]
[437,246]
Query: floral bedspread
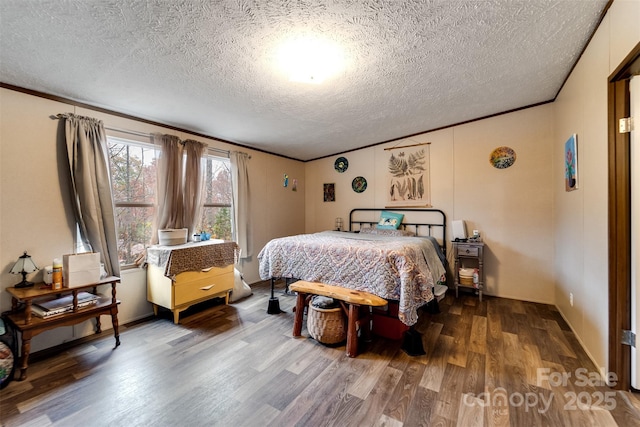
[394,268]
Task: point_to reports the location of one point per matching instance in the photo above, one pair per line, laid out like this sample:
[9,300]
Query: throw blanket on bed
[396,268]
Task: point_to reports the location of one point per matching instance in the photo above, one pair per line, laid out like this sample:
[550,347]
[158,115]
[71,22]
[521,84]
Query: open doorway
[620,219]
[634,104]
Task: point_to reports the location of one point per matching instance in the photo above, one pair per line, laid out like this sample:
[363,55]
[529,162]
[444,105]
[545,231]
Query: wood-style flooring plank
[486,364]
[371,372]
[558,339]
[430,337]
[532,363]
[478,337]
[420,409]
[405,391]
[385,421]
[511,349]
[459,348]
[474,381]
[434,371]
[534,314]
[372,408]
[626,411]
[471,411]
[448,400]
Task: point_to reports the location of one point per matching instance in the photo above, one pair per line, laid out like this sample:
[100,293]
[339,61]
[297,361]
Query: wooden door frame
[619,161]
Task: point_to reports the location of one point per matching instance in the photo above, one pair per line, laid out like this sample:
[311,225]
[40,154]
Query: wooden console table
[30,325]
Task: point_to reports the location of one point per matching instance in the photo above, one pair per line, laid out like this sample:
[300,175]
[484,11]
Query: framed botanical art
[408,176]
[571,163]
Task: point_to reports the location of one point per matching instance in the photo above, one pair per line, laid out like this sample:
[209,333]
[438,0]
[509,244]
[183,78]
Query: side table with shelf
[468,255]
[30,325]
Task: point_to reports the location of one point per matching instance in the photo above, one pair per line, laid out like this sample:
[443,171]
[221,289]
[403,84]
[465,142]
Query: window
[133,180]
[215,217]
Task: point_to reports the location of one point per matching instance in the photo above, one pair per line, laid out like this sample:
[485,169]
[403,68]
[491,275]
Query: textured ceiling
[210,66]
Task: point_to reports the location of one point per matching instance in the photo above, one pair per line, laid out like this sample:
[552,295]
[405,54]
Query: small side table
[30,325]
[468,255]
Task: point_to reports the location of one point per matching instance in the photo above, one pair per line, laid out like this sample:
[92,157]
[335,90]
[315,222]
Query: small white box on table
[80,269]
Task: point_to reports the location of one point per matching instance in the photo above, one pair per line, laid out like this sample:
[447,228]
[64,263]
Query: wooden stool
[351,302]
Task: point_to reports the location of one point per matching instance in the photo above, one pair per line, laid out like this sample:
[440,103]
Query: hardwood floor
[496,363]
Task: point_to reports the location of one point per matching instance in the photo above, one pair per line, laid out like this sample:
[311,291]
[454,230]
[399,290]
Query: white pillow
[387,232]
[240,287]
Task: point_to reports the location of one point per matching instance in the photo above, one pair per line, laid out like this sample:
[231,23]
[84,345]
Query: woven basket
[466,280]
[326,325]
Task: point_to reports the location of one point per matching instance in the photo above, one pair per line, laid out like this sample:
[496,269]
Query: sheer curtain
[179,183]
[240,194]
[240,189]
[193,184]
[92,202]
[169,182]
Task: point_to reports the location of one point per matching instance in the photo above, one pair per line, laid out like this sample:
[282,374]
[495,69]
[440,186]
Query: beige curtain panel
[92,200]
[179,183]
[240,191]
[193,184]
[169,182]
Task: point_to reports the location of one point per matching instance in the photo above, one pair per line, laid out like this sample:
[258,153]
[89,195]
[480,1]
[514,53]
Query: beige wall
[511,207]
[34,194]
[543,243]
[580,217]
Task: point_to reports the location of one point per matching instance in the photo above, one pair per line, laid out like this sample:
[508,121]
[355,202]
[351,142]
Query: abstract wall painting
[571,163]
[329,192]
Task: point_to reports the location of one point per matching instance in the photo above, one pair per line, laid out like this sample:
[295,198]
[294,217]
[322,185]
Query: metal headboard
[436,222]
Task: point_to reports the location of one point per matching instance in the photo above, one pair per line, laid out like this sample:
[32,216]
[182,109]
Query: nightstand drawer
[207,273]
[202,289]
[467,251]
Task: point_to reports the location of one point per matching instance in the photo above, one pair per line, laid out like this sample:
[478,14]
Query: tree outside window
[133,182]
[133,179]
[216,209]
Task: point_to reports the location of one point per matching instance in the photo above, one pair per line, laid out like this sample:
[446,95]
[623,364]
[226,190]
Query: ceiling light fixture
[310,60]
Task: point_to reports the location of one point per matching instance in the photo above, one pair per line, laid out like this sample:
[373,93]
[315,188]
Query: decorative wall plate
[359,184]
[502,157]
[341,164]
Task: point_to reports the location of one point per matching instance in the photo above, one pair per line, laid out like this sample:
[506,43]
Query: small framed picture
[571,164]
[330,192]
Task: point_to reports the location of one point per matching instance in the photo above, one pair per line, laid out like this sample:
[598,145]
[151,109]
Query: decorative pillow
[389,220]
[240,287]
[387,232]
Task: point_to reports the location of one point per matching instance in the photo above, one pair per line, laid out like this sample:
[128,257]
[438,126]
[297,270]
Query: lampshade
[24,266]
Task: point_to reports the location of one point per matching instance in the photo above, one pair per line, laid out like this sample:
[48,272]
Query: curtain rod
[407,146]
[147,135]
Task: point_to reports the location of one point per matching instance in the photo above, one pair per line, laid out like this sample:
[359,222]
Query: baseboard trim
[601,369]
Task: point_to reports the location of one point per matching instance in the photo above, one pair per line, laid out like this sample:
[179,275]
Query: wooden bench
[351,301]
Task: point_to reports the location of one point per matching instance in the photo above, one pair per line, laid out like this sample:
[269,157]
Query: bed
[402,265]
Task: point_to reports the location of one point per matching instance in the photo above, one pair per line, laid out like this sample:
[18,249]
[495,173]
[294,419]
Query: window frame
[210,153]
[125,204]
[215,154]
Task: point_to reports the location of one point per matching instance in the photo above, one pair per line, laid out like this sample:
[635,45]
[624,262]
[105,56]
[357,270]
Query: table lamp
[24,266]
